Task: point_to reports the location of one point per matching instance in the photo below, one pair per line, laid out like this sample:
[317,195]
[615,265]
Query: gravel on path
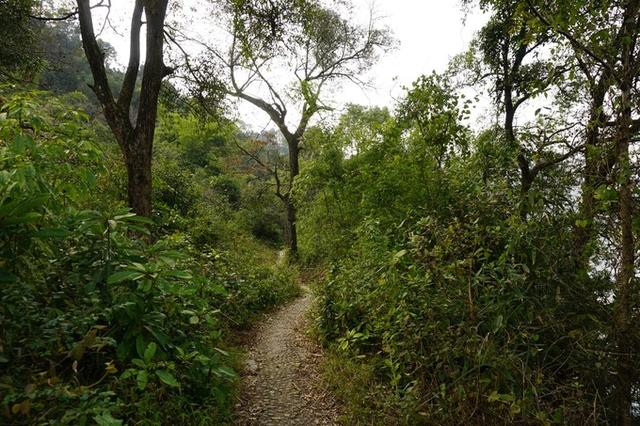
[281,383]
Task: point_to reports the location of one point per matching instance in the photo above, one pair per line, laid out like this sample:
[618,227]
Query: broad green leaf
[226,371]
[106,419]
[138,363]
[140,219]
[167,378]
[51,233]
[149,352]
[123,216]
[183,275]
[142,379]
[124,276]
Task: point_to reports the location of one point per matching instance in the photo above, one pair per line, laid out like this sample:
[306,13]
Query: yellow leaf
[110,368]
[23,408]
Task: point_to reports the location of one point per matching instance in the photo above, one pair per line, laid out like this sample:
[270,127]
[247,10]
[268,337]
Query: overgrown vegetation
[107,315]
[474,275]
[471,273]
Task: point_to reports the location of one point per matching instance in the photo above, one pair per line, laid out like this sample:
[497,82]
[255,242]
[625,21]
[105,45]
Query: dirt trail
[281,381]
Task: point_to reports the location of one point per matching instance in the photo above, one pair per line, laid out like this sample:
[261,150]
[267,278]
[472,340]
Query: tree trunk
[626,275]
[139,155]
[583,233]
[526,179]
[290,231]
[135,139]
[138,162]
[622,310]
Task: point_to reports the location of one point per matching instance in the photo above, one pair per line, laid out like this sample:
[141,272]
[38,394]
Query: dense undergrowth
[109,317]
[441,304]
[475,270]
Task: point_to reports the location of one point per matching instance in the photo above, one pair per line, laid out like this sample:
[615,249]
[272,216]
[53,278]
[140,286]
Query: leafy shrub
[438,294]
[97,323]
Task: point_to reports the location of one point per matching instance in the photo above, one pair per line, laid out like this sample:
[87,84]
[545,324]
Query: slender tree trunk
[626,276]
[526,178]
[583,233]
[622,313]
[622,310]
[290,231]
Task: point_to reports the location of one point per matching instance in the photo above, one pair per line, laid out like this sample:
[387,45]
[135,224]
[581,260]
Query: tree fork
[135,139]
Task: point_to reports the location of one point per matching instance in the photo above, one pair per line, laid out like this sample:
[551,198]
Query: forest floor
[281,381]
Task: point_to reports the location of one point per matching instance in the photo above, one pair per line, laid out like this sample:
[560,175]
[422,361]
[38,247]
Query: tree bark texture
[134,138]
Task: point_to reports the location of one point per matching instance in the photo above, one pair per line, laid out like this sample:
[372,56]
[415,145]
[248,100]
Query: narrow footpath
[281,383]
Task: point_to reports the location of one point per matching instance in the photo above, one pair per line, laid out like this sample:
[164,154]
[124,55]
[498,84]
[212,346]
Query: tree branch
[95,57]
[131,75]
[573,40]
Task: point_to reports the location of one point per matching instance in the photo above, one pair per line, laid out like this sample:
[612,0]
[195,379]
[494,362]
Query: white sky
[429,34]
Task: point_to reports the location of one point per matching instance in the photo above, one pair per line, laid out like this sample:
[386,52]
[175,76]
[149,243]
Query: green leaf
[138,363]
[124,276]
[226,371]
[142,379]
[582,223]
[183,275]
[22,142]
[150,352]
[223,352]
[123,216]
[167,378]
[397,256]
[140,219]
[138,267]
[128,373]
[23,218]
[51,233]
[145,286]
[497,325]
[141,346]
[141,229]
[160,337]
[106,419]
